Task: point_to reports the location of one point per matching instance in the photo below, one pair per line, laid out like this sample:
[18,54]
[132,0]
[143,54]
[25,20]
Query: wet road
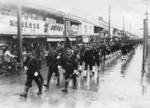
[117,85]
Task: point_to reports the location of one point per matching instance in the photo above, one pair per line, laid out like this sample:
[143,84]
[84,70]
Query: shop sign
[54,28]
[85,39]
[68,27]
[8,24]
[73,29]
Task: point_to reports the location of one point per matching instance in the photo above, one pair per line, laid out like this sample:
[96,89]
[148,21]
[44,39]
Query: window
[90,30]
[85,29]
[4,11]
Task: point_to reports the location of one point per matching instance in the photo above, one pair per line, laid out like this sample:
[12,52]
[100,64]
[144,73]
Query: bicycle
[10,68]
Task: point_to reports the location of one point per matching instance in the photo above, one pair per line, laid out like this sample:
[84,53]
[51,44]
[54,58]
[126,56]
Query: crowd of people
[72,60]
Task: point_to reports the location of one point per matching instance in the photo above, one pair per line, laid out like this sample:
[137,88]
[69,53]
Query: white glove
[36,74]
[75,71]
[14,56]
[58,57]
[59,66]
[25,68]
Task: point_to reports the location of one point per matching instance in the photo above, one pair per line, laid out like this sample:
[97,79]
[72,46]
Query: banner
[74,29]
[55,29]
[8,24]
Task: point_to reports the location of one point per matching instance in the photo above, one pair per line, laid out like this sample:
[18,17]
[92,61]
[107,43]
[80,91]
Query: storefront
[54,29]
[32,32]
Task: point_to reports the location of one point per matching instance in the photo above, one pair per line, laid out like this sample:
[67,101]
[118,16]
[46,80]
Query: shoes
[39,92]
[74,87]
[57,84]
[92,74]
[23,95]
[64,90]
[84,77]
[46,85]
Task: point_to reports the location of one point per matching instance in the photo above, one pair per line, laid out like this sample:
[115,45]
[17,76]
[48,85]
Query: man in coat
[53,66]
[71,65]
[31,65]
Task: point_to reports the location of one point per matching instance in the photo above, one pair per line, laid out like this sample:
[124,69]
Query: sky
[132,10]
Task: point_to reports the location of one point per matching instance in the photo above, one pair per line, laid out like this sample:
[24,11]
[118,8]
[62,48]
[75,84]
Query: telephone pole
[109,22]
[144,45]
[19,33]
[123,27]
[146,41]
[130,30]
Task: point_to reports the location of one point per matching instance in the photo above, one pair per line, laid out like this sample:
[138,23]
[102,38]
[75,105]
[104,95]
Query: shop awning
[54,40]
[34,36]
[59,39]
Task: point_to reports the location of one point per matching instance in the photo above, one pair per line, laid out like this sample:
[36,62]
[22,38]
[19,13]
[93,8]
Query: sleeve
[75,62]
[9,54]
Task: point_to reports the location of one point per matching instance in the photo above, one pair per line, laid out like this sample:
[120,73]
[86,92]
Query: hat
[67,43]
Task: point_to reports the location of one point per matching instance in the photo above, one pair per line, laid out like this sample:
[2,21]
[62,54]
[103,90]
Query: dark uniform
[53,67]
[32,74]
[89,59]
[96,54]
[81,59]
[70,66]
[39,58]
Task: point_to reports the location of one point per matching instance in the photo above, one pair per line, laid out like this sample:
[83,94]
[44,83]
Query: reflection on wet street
[117,85]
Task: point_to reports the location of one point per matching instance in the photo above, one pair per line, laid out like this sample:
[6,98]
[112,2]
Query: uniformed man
[31,65]
[81,57]
[97,56]
[89,59]
[52,61]
[70,68]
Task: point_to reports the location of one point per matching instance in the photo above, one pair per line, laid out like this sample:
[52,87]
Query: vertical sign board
[68,27]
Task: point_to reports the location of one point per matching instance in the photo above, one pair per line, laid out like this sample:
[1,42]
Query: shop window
[90,29]
[86,29]
[34,17]
[4,12]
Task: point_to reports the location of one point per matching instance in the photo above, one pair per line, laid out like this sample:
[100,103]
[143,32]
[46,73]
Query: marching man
[71,65]
[31,66]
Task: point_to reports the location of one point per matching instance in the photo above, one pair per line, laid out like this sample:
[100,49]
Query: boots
[40,89]
[25,92]
[58,81]
[85,74]
[74,83]
[91,73]
[47,83]
[66,86]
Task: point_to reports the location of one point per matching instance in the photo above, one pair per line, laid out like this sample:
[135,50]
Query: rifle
[70,76]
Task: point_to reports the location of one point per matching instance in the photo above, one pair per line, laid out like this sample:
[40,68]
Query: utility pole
[109,22]
[123,27]
[144,47]
[130,30]
[146,41]
[19,33]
